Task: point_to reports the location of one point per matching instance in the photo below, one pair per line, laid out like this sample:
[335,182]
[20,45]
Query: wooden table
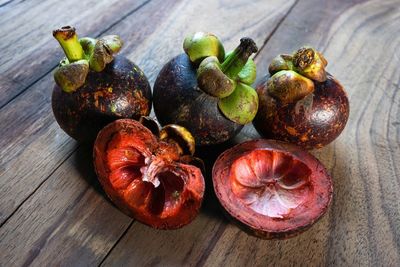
[53,211]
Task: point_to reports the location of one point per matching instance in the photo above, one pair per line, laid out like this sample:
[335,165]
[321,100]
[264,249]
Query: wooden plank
[362,227]
[150,49]
[28,48]
[81,229]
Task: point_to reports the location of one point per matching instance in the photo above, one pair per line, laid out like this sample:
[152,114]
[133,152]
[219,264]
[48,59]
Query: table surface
[52,208]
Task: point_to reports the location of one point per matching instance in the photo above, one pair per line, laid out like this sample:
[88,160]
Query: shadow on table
[84,165]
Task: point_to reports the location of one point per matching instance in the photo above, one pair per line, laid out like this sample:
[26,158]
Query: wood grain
[29,50]
[34,146]
[362,227]
[81,230]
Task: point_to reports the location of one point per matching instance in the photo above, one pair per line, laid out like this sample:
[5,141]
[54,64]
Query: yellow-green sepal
[310,63]
[212,80]
[288,86]
[248,73]
[201,45]
[71,76]
[241,106]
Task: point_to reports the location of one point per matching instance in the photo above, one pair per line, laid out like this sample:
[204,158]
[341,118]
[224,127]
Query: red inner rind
[271,183]
[140,174]
[276,165]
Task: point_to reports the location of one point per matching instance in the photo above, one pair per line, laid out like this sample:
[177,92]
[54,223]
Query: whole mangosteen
[207,91]
[93,88]
[300,102]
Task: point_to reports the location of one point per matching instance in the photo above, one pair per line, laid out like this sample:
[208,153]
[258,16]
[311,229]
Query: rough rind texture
[121,90]
[179,100]
[313,122]
[144,141]
[259,225]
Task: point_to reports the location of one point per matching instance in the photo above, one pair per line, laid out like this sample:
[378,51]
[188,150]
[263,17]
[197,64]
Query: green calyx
[82,55]
[293,75]
[228,78]
[241,106]
[310,63]
[213,80]
[71,76]
[200,45]
[288,86]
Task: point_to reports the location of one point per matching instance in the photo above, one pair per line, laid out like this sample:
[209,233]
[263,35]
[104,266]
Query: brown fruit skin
[178,100]
[121,90]
[220,177]
[309,127]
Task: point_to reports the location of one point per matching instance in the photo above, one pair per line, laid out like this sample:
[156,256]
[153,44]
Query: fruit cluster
[273,188]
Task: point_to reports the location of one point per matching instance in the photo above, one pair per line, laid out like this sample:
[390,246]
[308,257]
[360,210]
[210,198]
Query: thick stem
[234,63]
[69,42]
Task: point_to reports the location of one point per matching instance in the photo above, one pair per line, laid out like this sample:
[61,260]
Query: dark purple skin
[312,122]
[121,90]
[178,100]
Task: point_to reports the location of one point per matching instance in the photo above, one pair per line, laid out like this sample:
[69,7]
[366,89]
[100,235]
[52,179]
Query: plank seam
[116,243]
[213,242]
[37,188]
[276,28]
[6,3]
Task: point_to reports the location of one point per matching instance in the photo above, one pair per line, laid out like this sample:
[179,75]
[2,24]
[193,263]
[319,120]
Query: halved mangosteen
[150,177]
[270,188]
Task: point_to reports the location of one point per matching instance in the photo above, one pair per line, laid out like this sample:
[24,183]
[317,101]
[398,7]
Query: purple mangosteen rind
[121,90]
[174,95]
[94,86]
[300,102]
[207,91]
[312,122]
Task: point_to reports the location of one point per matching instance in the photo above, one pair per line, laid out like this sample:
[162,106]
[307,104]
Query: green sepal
[100,52]
[71,76]
[248,73]
[113,43]
[88,44]
[310,63]
[212,80]
[288,86]
[200,45]
[241,106]
[280,62]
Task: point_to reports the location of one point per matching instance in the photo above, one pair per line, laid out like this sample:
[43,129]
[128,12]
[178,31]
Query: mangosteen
[270,188]
[300,102]
[207,91]
[94,88]
[150,175]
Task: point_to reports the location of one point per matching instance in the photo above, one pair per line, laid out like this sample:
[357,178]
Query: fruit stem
[234,63]
[69,42]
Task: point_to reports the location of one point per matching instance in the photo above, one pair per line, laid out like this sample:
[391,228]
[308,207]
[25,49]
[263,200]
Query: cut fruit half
[145,177]
[273,189]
